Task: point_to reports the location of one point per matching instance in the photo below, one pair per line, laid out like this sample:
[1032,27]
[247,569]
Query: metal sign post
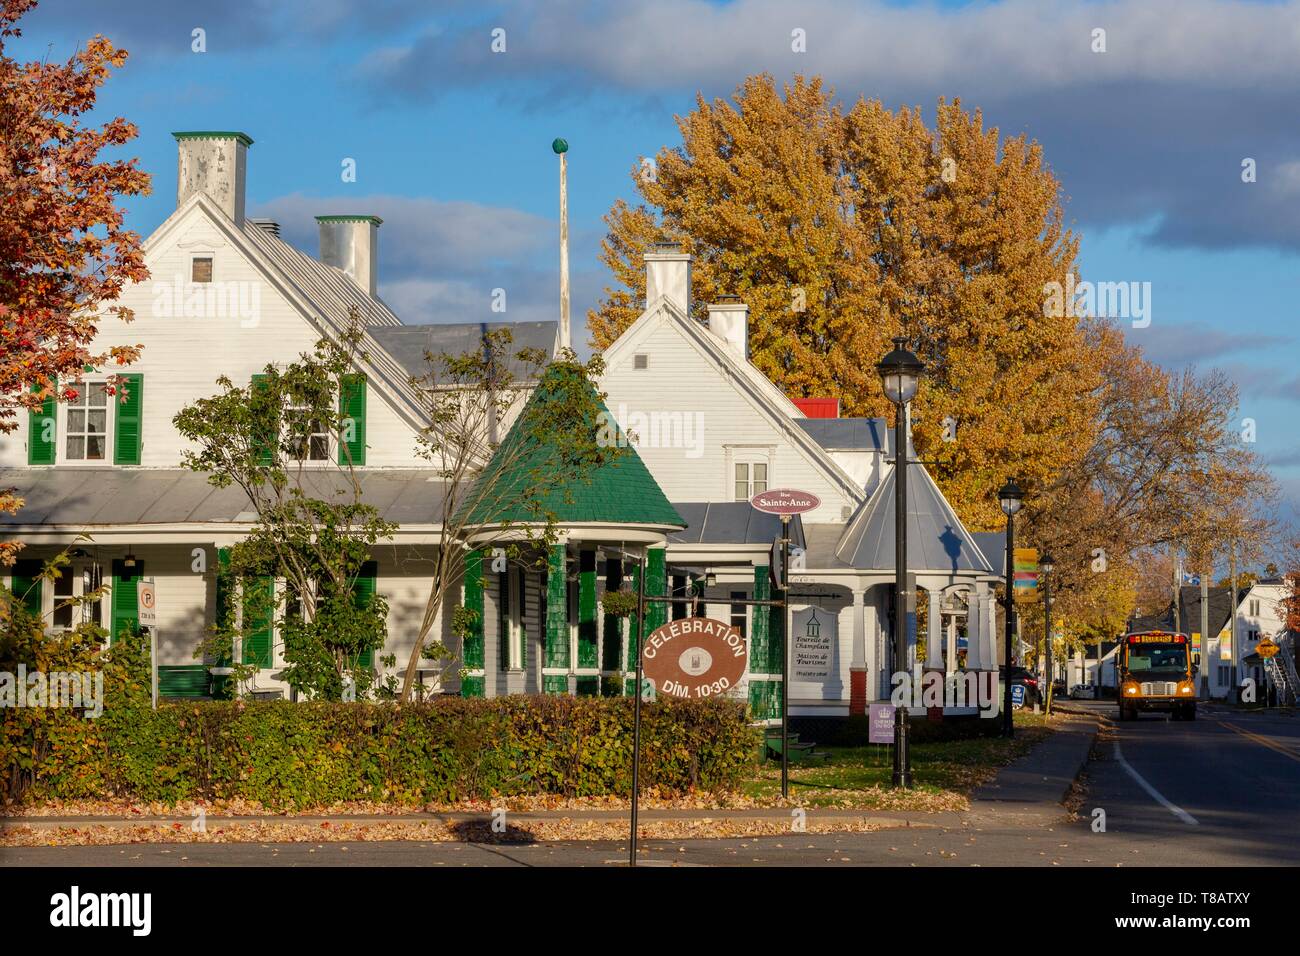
[636,706]
[785,657]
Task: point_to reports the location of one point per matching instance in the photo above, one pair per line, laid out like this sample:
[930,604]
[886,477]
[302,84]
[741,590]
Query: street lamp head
[1047,563]
[900,372]
[1010,496]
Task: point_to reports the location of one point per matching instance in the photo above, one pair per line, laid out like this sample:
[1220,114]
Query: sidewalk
[1038,782]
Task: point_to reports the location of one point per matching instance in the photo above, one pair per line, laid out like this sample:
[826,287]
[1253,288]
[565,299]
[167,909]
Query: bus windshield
[1158,658]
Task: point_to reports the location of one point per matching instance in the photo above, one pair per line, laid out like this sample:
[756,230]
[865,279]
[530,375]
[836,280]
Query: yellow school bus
[1156,672]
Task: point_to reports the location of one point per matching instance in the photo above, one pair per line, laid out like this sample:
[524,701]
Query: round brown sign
[695,657]
[785,501]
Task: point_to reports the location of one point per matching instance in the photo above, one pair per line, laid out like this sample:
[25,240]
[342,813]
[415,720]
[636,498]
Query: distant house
[1257,609]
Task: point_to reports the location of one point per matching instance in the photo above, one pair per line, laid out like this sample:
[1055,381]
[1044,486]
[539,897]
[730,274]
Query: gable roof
[780,410]
[936,538]
[1220,606]
[329,287]
[324,295]
[620,491]
[847,434]
[408,343]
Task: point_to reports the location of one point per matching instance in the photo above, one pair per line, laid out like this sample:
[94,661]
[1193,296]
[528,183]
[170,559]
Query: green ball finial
[560,146]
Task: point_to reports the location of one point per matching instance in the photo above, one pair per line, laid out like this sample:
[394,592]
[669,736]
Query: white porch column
[859,630]
[991,636]
[934,632]
[858,666]
[974,631]
[951,637]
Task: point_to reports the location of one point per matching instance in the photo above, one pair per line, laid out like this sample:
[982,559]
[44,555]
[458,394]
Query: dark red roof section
[818,407]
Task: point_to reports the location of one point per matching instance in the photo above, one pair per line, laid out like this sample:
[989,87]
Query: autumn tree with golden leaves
[843,228]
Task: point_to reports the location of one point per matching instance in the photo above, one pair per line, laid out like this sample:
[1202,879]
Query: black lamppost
[1047,565]
[1009,497]
[900,373]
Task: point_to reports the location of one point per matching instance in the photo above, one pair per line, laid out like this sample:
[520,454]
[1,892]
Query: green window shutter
[557,610]
[259,623]
[28,586]
[588,644]
[472,646]
[42,433]
[265,443]
[364,593]
[352,409]
[128,438]
[656,614]
[124,607]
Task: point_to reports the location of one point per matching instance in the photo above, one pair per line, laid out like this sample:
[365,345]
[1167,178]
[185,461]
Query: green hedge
[287,756]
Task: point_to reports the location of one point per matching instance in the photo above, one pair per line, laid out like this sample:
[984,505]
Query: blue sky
[452,141]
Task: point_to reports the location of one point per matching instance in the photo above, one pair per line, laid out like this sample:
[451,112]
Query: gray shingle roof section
[86,497]
[847,434]
[731,522]
[1220,604]
[993,545]
[407,344]
[937,541]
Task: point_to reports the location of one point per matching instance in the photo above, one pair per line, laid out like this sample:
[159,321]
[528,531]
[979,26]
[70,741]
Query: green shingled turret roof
[618,490]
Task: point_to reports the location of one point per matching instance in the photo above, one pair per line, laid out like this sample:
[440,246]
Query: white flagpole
[561,147]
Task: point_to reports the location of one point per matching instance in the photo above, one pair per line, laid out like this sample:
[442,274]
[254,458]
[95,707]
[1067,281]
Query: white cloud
[1000,47]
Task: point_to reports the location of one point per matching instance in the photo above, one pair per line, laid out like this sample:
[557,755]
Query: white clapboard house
[226,296]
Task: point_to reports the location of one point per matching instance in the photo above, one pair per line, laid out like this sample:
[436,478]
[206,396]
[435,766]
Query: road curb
[891,818]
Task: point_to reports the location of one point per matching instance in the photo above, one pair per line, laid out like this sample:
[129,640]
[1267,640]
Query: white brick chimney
[351,243]
[668,273]
[215,164]
[729,321]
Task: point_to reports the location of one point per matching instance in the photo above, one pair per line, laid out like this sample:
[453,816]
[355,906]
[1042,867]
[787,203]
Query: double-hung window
[88,422]
[750,478]
[77,581]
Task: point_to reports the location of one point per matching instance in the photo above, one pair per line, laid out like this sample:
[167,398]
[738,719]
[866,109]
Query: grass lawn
[944,773]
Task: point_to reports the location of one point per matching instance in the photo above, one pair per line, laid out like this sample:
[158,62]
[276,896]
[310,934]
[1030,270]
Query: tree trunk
[413,665]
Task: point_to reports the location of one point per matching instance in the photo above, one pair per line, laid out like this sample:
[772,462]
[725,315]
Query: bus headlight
[1131,690]
[1186,688]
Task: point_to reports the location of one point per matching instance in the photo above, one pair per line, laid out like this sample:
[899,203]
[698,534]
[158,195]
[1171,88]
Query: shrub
[291,756]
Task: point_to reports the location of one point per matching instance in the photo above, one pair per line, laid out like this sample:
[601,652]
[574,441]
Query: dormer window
[201,269]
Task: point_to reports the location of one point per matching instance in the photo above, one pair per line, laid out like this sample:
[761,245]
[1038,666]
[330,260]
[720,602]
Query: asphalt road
[1221,790]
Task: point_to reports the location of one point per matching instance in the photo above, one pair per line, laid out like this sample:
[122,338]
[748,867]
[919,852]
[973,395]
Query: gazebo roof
[619,491]
[937,541]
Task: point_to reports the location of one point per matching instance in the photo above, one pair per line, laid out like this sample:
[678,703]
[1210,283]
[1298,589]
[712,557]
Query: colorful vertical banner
[1025,574]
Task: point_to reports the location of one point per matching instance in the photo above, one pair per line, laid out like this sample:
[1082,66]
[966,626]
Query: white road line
[1152,792]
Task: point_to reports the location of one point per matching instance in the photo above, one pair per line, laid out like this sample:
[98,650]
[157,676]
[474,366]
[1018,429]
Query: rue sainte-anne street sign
[694,657]
[785,501]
